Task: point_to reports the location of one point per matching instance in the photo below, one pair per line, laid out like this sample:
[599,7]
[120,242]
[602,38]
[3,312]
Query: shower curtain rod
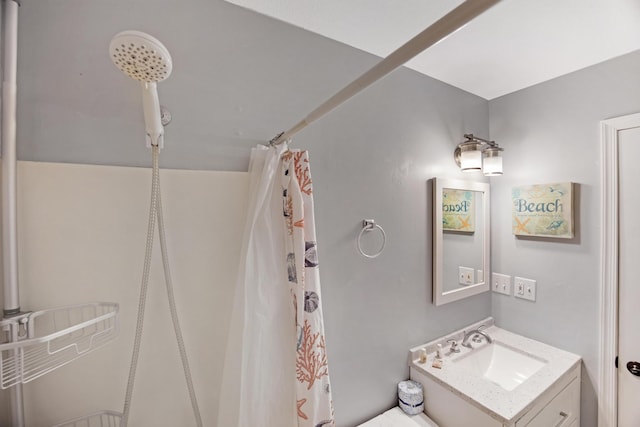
[446,25]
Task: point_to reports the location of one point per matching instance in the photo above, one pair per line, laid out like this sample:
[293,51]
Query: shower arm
[440,29]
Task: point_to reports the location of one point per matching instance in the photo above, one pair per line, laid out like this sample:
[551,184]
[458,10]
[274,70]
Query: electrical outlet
[465,276]
[525,288]
[501,283]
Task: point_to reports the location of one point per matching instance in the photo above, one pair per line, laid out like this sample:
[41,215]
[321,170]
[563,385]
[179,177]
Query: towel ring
[370,225]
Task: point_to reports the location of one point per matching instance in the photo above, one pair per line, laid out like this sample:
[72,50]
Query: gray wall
[372,159]
[550,133]
[238,79]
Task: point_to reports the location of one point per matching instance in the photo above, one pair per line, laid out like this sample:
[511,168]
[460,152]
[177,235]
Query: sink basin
[497,383]
[500,364]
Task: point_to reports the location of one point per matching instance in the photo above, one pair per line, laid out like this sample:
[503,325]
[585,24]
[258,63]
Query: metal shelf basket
[39,342]
[97,419]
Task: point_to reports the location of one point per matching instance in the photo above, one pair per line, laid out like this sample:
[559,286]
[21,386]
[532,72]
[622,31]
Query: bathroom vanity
[512,381]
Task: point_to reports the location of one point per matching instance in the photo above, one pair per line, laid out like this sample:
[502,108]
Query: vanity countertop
[501,404]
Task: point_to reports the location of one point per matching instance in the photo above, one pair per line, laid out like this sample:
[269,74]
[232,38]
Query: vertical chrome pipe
[9,210]
[9,188]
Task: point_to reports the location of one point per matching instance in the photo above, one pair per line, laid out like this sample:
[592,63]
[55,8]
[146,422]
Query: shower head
[140,56]
[144,58]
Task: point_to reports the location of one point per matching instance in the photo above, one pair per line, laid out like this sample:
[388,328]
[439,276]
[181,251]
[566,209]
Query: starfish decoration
[300,413]
[464,223]
[522,226]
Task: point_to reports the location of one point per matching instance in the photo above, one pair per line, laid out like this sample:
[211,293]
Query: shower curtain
[276,372]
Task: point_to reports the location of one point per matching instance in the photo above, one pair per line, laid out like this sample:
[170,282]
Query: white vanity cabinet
[456,395]
[557,407]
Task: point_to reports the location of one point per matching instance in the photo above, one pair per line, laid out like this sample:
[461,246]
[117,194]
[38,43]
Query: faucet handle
[454,346]
[481,328]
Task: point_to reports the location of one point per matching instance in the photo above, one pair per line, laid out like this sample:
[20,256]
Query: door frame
[608,375]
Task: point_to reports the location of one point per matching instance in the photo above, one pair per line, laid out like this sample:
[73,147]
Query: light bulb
[470,157]
[492,162]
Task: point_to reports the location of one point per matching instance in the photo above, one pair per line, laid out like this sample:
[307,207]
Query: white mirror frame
[439,296]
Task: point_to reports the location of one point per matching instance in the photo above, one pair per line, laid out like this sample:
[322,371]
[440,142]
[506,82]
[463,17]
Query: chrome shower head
[144,58]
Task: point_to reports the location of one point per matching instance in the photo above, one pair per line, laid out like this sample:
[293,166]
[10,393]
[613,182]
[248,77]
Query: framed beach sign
[543,210]
[458,210]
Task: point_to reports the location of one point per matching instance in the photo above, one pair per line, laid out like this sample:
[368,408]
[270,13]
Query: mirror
[460,239]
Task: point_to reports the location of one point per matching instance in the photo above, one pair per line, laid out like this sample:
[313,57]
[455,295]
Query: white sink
[500,364]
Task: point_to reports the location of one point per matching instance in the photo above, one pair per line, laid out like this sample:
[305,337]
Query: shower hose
[155,212]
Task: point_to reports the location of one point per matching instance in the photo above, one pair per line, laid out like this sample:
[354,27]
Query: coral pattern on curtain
[275,372]
[313,393]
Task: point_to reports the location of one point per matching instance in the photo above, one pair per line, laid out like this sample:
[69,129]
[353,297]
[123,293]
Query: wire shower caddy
[35,343]
[97,419]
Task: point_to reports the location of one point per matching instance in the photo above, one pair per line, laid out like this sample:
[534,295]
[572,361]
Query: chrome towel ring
[370,225]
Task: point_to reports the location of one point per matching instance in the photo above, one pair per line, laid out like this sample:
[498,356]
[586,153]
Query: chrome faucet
[474,333]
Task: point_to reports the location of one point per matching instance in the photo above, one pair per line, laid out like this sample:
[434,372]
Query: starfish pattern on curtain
[313,392]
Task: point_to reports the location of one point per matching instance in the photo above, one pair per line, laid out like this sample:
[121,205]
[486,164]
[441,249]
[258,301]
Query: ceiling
[514,45]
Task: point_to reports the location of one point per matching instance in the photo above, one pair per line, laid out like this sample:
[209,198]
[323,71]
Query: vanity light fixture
[477,154]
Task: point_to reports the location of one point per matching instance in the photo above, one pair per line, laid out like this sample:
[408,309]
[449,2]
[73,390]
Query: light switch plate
[525,288]
[501,283]
[465,276]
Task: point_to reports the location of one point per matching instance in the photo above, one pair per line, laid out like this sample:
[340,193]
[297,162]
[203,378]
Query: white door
[629,279]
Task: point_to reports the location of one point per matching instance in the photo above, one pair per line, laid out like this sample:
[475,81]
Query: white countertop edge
[503,405]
